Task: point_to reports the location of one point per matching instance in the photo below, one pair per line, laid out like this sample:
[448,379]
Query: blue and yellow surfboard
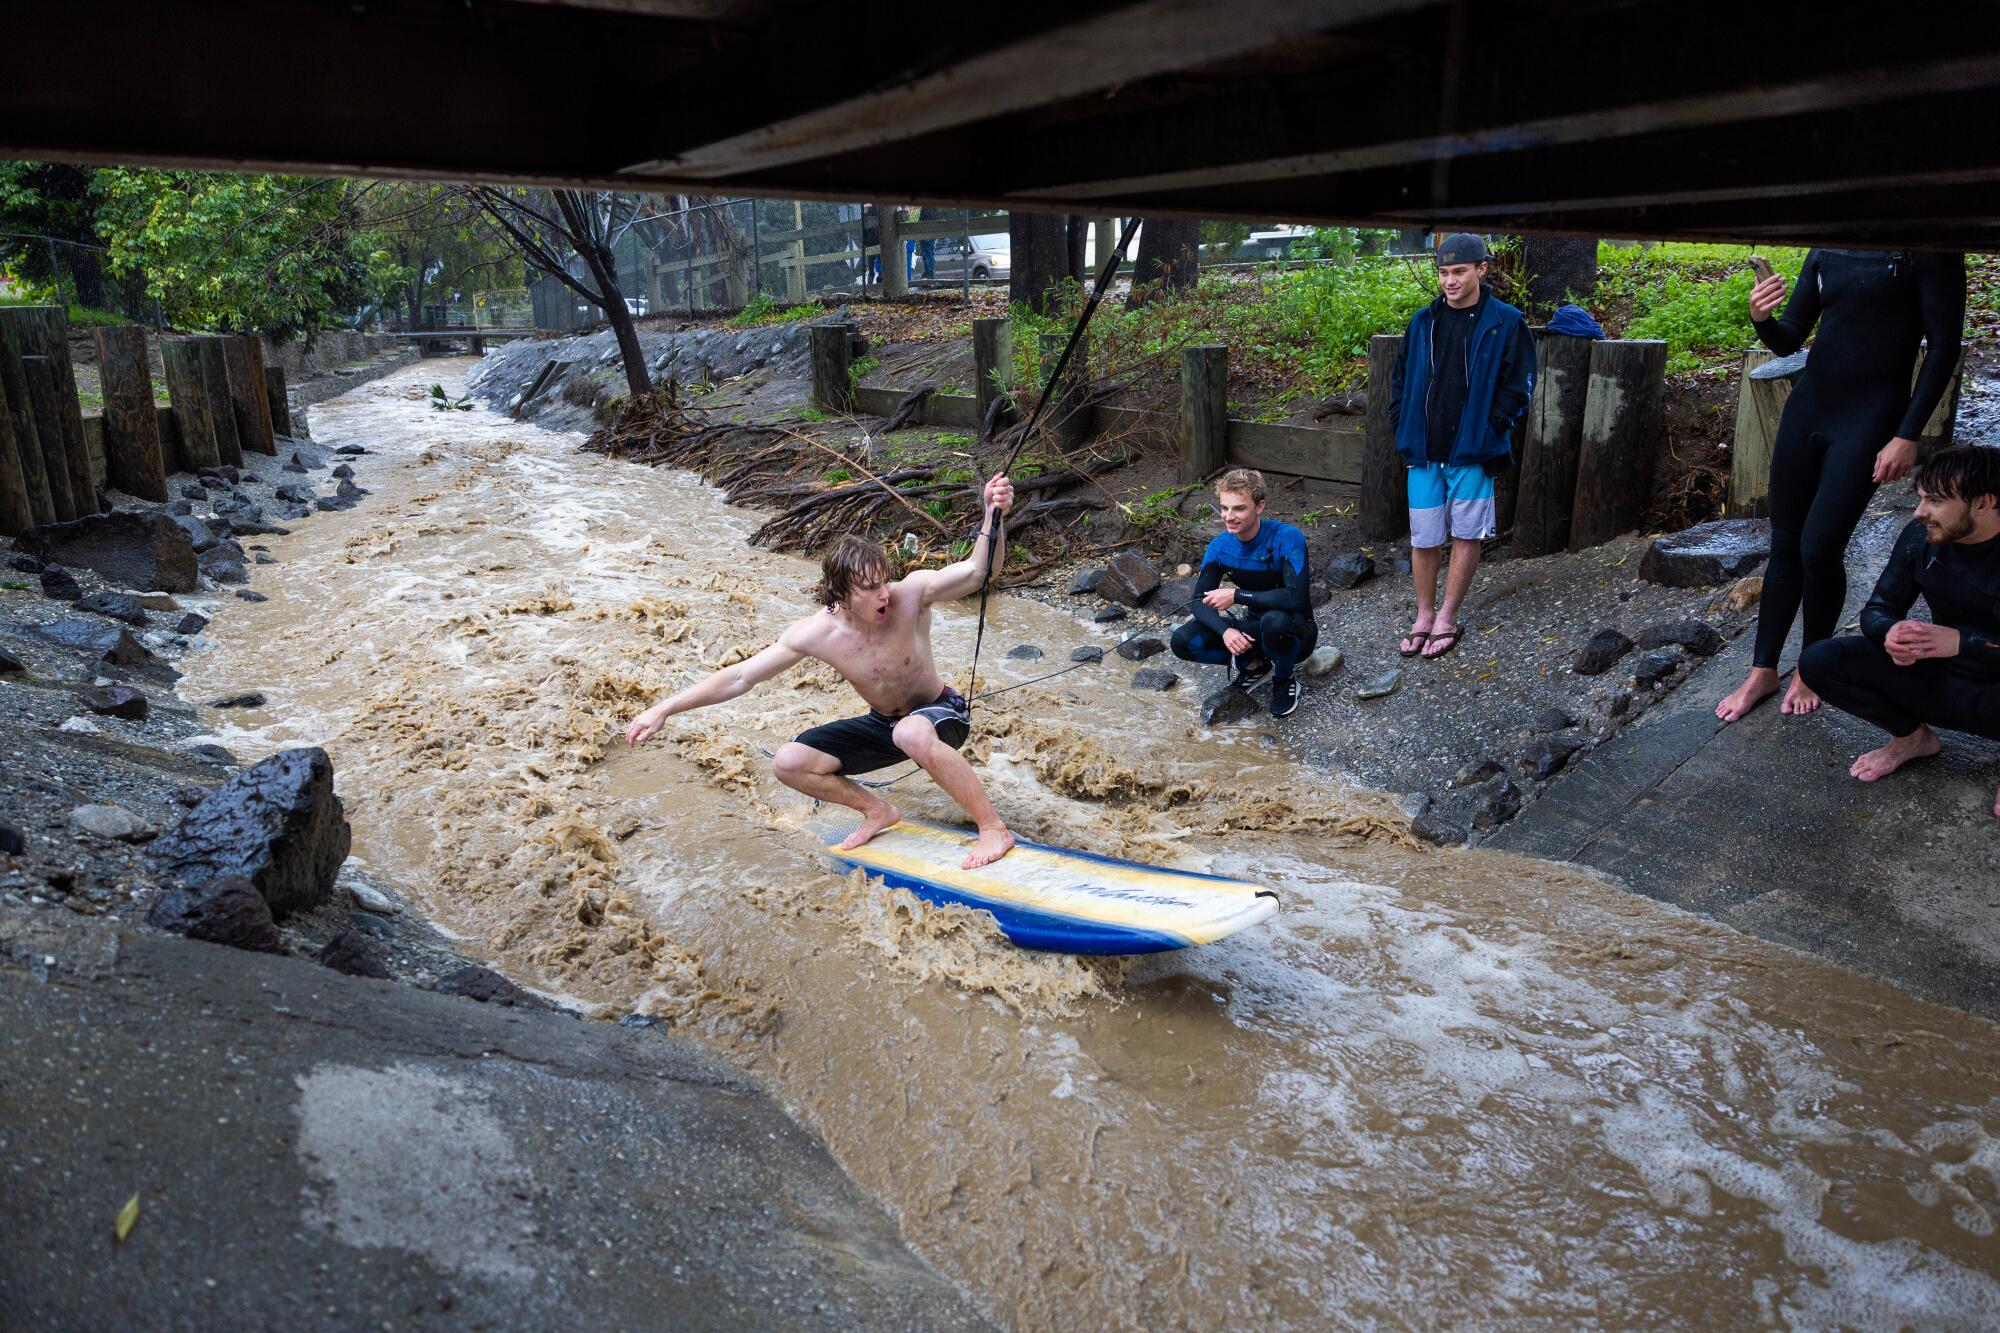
[1061,899]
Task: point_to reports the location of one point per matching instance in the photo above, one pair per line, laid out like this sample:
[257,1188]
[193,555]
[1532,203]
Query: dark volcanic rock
[1129,578]
[489,987]
[248,699]
[244,594]
[11,841]
[1109,612]
[133,550]
[224,565]
[347,490]
[1656,666]
[1499,801]
[1546,755]
[328,504]
[295,494]
[1138,650]
[1089,653]
[11,665]
[350,451]
[1227,704]
[1693,635]
[1154,678]
[199,533]
[1707,553]
[343,471]
[127,651]
[1476,772]
[116,701]
[212,752]
[1434,828]
[226,473]
[1174,598]
[356,954]
[1345,571]
[1025,652]
[1551,719]
[27,564]
[118,605]
[60,584]
[1085,582]
[1605,647]
[277,823]
[195,491]
[192,623]
[224,911]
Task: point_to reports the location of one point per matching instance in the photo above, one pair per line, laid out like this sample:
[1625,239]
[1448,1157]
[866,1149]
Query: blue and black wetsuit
[1872,308]
[1270,577]
[1960,582]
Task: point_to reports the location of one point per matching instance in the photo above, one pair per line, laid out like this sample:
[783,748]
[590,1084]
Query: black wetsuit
[1872,307]
[1960,582]
[1271,580]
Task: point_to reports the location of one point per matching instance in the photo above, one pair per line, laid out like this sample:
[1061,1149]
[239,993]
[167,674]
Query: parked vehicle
[989,256]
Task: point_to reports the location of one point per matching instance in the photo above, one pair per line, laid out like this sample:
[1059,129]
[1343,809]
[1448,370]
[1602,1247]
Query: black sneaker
[1284,696]
[1245,672]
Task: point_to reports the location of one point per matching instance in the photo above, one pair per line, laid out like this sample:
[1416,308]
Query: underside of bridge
[1796,122]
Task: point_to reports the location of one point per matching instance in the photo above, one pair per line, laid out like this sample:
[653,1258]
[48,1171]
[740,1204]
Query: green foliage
[1156,507]
[764,309]
[955,441]
[856,370]
[444,402]
[957,476]
[834,476]
[1695,297]
[217,250]
[811,413]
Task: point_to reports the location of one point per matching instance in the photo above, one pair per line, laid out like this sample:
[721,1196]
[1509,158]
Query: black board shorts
[864,744]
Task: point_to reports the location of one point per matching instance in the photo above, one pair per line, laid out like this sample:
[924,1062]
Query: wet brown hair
[849,563]
[1243,481]
[1962,472]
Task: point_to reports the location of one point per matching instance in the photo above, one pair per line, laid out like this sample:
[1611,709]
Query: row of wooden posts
[1588,456]
[54,457]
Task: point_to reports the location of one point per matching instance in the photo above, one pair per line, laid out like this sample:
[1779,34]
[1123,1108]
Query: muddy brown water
[1438,1089]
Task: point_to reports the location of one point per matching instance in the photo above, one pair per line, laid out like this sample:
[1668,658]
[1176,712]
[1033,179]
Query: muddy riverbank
[1439,1088]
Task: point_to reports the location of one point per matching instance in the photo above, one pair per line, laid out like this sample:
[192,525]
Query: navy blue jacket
[1500,381]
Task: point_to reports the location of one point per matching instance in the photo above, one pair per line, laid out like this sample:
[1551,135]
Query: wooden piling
[214,354]
[1204,412]
[832,354]
[277,400]
[1549,448]
[895,269]
[1384,507]
[187,388]
[243,355]
[44,395]
[43,330]
[17,512]
[27,439]
[992,362]
[1622,430]
[133,458]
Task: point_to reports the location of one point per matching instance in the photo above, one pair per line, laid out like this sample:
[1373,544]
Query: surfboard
[1062,899]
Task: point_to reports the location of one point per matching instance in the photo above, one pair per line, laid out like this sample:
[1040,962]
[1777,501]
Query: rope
[1102,285]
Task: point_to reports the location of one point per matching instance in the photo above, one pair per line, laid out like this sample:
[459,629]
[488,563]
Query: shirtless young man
[877,635]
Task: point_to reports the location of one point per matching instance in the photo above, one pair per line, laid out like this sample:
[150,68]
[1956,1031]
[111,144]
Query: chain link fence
[44,270]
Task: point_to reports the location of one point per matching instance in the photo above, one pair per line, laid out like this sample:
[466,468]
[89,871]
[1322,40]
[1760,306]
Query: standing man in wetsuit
[877,635]
[1460,386]
[1905,675]
[1852,423]
[1264,561]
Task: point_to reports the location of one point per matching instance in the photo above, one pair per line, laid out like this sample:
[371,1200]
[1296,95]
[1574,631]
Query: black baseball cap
[1462,247]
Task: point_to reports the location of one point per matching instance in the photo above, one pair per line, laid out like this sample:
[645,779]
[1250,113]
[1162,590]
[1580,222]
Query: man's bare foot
[1877,764]
[871,826]
[1420,633]
[1800,698]
[1759,685]
[988,847]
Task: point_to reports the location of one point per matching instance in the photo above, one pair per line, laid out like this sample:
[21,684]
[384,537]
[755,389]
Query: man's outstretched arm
[729,683]
[963,578]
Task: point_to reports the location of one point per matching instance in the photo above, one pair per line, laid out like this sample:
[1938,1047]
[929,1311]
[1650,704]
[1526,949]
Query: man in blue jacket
[1460,387]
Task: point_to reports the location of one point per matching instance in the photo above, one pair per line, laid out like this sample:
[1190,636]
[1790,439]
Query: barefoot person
[1905,675]
[877,635]
[1265,563]
[1852,423]
[1461,384]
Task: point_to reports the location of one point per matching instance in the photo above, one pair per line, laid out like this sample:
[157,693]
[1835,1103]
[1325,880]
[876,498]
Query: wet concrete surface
[311,1150]
[1758,824]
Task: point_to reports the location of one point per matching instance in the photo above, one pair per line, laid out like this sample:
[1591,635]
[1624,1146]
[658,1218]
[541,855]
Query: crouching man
[1906,676]
[877,635]
[1262,624]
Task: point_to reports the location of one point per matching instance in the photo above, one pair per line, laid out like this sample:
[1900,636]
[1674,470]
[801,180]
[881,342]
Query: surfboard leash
[1097,291]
